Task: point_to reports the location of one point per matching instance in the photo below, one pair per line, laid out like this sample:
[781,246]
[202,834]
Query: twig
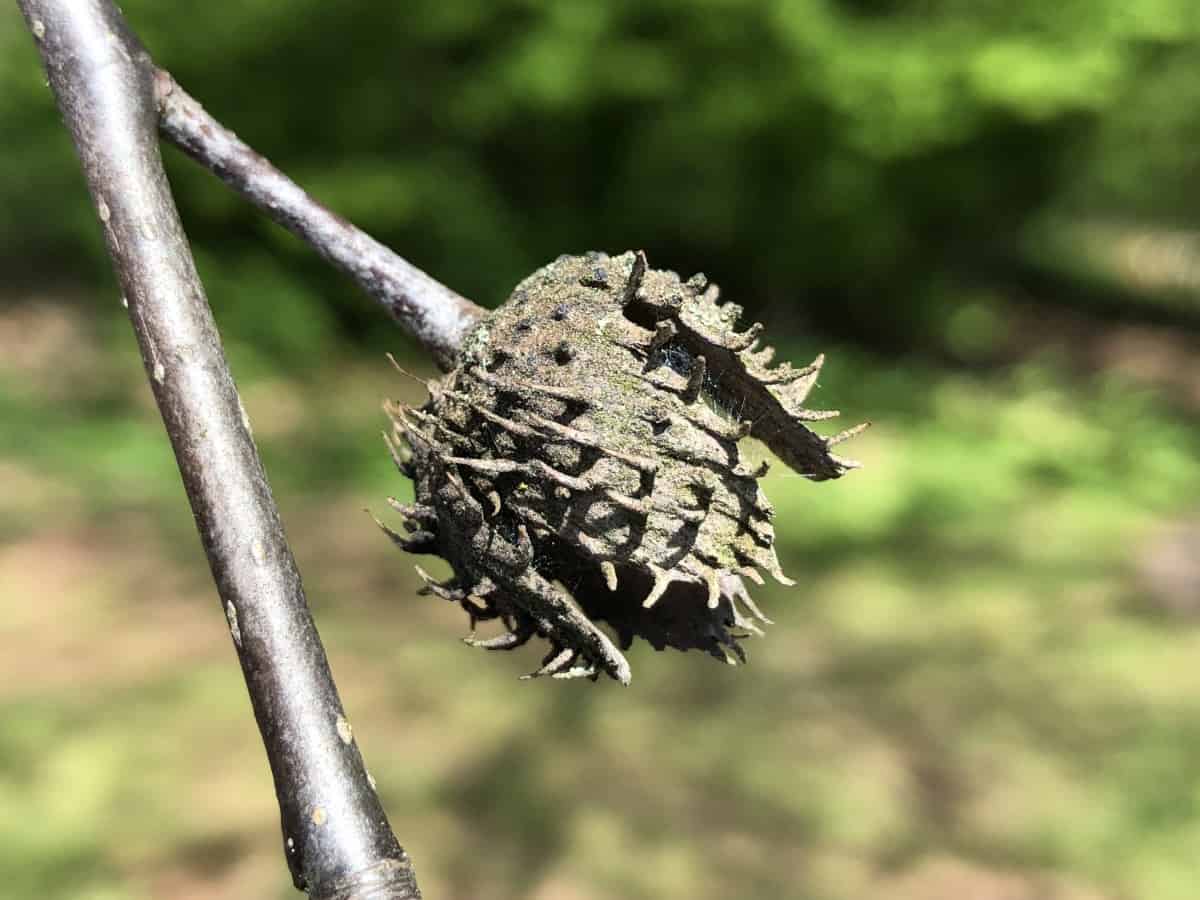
[336,836]
[433,313]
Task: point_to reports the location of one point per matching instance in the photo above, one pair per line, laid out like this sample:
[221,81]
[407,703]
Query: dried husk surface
[580,464]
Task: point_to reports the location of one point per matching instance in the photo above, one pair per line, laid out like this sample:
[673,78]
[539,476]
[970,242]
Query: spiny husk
[581,463]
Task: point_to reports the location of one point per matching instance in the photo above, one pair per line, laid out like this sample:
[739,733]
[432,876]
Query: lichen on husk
[580,464]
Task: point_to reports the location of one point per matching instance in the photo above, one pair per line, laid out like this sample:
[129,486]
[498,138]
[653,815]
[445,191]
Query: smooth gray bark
[336,836]
[434,314]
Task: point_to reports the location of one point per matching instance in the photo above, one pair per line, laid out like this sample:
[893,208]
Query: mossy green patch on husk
[580,464]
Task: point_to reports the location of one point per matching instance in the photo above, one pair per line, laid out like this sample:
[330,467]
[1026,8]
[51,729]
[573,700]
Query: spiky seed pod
[581,463]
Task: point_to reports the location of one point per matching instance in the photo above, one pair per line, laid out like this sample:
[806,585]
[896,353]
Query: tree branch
[433,313]
[337,839]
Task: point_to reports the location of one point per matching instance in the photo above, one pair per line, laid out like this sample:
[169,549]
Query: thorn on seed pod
[610,574]
[664,333]
[743,341]
[695,380]
[633,284]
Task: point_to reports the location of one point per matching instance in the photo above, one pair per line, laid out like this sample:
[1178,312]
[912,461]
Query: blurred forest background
[986,213]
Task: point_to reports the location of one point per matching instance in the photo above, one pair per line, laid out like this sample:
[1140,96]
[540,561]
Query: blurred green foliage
[984,212]
[836,159]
